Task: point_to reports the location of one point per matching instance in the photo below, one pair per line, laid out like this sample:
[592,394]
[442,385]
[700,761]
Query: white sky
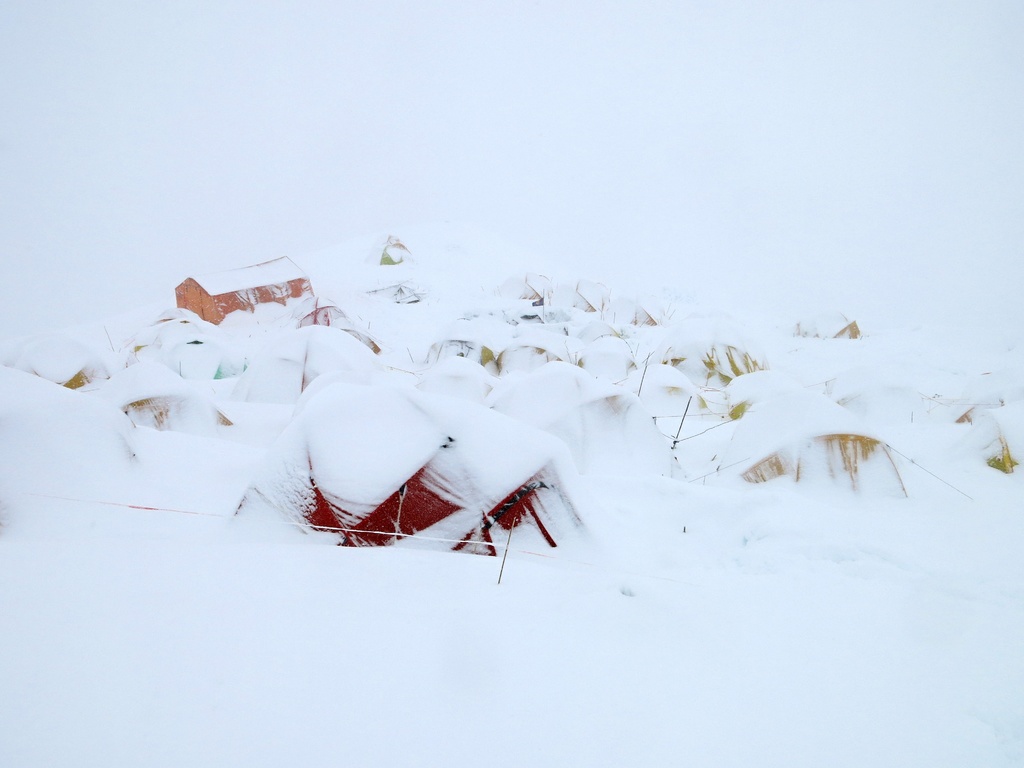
[859,154]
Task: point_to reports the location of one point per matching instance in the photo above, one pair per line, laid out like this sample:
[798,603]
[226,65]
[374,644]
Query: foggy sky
[860,153]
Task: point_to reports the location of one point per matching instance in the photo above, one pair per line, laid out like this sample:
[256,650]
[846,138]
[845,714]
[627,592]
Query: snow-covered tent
[594,330]
[58,359]
[530,287]
[331,316]
[605,426]
[997,434]
[808,438]
[664,391]
[710,350]
[153,396]
[591,297]
[608,357]
[828,325]
[393,252]
[533,347]
[287,364]
[379,464]
[215,296]
[458,377]
[189,346]
[63,443]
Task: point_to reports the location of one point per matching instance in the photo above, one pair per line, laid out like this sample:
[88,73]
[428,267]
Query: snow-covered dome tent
[710,350]
[458,377]
[608,357]
[808,438]
[379,464]
[288,363]
[315,311]
[153,396]
[188,345]
[997,435]
[58,359]
[827,325]
[66,443]
[605,426]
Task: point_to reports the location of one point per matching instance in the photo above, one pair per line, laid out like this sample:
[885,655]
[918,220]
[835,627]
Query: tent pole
[508,544]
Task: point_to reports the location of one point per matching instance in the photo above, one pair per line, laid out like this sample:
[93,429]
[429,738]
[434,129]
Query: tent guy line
[914,462]
[384,533]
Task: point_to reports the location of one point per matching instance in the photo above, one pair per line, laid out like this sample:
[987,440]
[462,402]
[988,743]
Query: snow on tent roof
[808,437]
[605,427]
[711,349]
[998,435]
[189,346]
[458,377]
[608,357]
[273,272]
[283,369]
[663,390]
[357,446]
[153,396]
[828,325]
[61,360]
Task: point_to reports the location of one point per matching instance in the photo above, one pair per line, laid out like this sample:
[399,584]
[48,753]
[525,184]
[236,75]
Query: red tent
[379,465]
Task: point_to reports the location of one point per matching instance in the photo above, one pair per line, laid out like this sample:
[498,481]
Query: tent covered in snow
[828,325]
[608,357]
[188,345]
[287,364]
[605,426]
[710,350]
[330,315]
[997,434]
[153,396]
[215,296]
[808,438]
[379,464]
[458,377]
[60,442]
[58,359]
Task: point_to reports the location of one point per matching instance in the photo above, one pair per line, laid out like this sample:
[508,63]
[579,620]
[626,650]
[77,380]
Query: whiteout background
[865,154]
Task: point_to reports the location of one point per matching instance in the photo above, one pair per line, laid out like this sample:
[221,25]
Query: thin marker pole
[686,410]
[507,545]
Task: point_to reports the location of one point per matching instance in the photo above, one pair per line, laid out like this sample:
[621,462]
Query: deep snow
[695,619]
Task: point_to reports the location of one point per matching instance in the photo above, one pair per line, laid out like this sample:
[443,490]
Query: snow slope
[695,619]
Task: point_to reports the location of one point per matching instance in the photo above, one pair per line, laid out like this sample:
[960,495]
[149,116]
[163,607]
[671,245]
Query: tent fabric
[376,465]
[214,296]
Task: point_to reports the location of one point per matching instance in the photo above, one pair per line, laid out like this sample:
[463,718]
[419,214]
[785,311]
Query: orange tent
[214,296]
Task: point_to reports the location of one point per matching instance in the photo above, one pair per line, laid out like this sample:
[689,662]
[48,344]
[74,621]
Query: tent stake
[507,545]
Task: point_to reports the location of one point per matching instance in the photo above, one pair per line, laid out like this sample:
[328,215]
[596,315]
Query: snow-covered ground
[734,320]
[870,612]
